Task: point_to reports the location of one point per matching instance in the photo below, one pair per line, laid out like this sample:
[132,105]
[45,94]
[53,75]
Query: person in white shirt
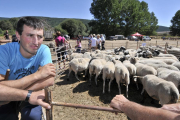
[94,42]
[98,42]
[102,41]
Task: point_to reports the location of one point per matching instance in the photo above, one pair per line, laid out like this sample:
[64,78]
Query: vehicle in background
[146,38]
[133,38]
[86,37]
[120,37]
[113,37]
[48,35]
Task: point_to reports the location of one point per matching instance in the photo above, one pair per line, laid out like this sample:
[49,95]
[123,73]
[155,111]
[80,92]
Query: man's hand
[37,98]
[118,101]
[45,71]
[172,107]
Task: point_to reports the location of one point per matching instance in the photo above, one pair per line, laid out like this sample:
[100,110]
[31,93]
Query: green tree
[122,17]
[1,31]
[59,28]
[74,27]
[14,22]
[6,25]
[175,27]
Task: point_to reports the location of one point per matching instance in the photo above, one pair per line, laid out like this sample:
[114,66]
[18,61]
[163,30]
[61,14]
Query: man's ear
[18,36]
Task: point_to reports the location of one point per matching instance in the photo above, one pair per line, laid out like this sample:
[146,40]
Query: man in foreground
[31,69]
[138,112]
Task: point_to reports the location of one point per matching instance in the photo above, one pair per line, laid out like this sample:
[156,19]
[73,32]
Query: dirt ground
[76,92]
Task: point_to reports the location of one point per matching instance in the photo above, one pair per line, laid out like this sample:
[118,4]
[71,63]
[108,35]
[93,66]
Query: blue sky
[164,9]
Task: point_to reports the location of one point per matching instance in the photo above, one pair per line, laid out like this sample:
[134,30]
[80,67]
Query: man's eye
[30,35]
[40,36]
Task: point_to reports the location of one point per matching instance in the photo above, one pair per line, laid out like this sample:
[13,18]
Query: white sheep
[177,64]
[77,65]
[131,68]
[95,67]
[108,73]
[122,76]
[142,70]
[169,75]
[159,89]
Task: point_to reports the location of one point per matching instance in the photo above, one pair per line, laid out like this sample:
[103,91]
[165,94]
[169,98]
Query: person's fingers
[44,104]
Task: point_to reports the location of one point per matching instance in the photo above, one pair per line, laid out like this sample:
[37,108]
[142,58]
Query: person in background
[61,44]
[89,41]
[98,42]
[78,44]
[94,42]
[14,38]
[6,35]
[31,69]
[103,41]
[138,112]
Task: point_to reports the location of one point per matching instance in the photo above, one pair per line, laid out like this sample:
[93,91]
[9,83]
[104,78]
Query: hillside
[162,28]
[55,21]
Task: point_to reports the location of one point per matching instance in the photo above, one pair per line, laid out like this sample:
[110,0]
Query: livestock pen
[76,92]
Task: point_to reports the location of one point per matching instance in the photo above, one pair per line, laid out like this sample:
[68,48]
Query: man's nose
[35,40]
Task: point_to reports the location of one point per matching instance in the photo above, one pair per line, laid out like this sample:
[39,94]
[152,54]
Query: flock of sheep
[157,72]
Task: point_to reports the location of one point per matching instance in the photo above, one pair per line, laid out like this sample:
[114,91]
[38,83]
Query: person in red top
[61,44]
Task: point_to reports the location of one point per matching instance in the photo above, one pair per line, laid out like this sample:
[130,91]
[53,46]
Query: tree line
[111,17]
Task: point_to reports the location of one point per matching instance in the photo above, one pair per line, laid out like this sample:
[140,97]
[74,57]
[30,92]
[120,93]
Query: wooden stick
[85,107]
[7,74]
[48,100]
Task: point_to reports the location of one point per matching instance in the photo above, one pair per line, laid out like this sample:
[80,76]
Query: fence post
[177,44]
[156,43]
[137,44]
[126,44]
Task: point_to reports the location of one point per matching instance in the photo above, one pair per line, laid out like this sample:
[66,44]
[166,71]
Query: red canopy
[136,34]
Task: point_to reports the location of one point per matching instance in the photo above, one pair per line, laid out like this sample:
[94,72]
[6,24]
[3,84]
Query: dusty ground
[76,92]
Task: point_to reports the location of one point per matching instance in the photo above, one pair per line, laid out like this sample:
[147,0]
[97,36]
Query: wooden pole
[177,44]
[85,107]
[48,100]
[126,44]
[7,74]
[156,42]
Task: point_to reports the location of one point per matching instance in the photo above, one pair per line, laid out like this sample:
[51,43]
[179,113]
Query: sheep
[156,66]
[131,68]
[76,55]
[121,75]
[169,75]
[177,64]
[87,55]
[142,70]
[78,64]
[95,67]
[108,72]
[159,89]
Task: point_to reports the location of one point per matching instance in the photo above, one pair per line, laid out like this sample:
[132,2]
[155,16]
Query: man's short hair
[29,21]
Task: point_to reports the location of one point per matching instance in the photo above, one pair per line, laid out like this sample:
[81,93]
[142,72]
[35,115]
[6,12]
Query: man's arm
[13,94]
[41,76]
[138,112]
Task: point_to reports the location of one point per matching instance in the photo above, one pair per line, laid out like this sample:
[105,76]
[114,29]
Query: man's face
[30,41]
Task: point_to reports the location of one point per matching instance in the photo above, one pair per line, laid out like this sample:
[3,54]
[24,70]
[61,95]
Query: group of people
[96,42]
[31,70]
